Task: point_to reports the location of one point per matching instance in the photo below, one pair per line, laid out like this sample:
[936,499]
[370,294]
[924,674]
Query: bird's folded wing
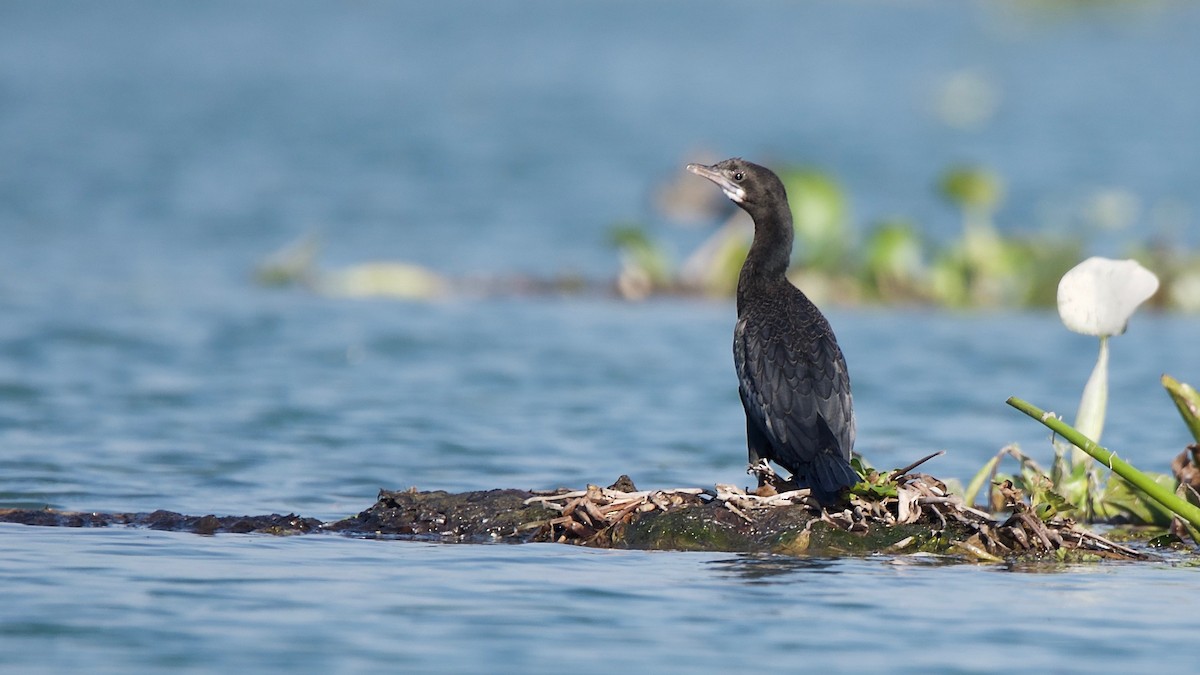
[797,390]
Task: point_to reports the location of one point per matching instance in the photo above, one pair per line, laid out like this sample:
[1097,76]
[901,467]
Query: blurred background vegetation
[968,166]
[891,260]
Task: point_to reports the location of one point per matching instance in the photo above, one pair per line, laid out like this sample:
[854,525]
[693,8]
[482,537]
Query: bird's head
[749,185]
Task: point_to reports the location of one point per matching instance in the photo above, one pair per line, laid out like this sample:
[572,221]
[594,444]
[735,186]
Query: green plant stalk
[1187,400]
[1141,481]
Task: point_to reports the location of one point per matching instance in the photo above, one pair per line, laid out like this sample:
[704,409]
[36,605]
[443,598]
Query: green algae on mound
[914,518]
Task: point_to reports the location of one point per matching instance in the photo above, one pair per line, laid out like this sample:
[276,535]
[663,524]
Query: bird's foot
[762,471]
[769,482]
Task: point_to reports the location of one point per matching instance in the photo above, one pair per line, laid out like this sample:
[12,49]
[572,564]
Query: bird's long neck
[770,252]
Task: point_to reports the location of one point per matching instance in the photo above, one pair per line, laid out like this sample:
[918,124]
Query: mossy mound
[916,516]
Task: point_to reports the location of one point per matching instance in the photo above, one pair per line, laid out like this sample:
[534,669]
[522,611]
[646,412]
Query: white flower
[1098,295]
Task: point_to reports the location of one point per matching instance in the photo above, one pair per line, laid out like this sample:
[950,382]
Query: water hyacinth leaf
[1049,504]
[638,249]
[819,216]
[1122,499]
[861,465]
[1187,400]
[1074,479]
[1097,296]
[894,266]
[1030,474]
[987,472]
[972,188]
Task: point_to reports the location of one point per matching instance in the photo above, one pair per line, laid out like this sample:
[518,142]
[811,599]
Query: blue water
[153,153]
[161,601]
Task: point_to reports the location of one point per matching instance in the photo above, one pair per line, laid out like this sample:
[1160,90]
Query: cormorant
[791,373]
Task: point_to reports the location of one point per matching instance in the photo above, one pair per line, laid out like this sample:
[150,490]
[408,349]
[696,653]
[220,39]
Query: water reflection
[768,568]
[763,568]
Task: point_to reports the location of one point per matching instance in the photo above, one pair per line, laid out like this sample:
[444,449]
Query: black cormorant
[791,373]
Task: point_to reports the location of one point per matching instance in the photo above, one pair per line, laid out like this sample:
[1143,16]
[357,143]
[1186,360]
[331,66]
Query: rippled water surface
[155,601]
[153,153]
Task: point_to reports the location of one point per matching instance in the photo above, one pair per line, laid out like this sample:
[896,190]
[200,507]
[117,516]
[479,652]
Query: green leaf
[894,261]
[1121,498]
[1050,504]
[981,478]
[1187,400]
[644,253]
[819,208]
[972,188]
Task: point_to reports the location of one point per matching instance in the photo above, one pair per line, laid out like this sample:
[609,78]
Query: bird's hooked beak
[730,188]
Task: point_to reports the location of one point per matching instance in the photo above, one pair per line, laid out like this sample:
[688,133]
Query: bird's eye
[738,176]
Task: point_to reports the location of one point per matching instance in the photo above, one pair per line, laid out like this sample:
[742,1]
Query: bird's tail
[828,475]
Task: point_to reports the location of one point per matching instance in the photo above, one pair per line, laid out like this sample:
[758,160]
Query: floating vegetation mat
[920,516]
[903,514]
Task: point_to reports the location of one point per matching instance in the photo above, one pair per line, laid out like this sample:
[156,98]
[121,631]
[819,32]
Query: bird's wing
[795,387]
